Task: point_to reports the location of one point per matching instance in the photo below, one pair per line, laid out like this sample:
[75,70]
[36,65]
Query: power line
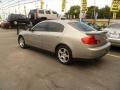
[21,3]
[17,2]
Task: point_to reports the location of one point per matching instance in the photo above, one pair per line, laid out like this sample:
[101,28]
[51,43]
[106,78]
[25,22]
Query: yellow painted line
[114,55]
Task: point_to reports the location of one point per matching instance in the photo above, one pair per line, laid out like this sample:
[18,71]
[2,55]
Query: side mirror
[30,26]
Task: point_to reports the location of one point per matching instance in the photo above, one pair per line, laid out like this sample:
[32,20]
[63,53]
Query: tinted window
[47,12]
[33,11]
[41,11]
[40,26]
[81,26]
[13,17]
[54,12]
[55,27]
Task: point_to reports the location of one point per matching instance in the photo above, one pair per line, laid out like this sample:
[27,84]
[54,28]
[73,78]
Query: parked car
[68,39]
[38,15]
[5,24]
[13,19]
[113,34]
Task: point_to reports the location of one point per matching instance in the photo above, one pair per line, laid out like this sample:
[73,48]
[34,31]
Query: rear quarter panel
[72,38]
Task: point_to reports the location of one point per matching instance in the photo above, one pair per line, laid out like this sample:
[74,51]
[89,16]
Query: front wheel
[21,42]
[64,54]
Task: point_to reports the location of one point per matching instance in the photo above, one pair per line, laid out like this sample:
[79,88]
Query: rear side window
[81,26]
[55,27]
[48,12]
[41,11]
[41,26]
[54,12]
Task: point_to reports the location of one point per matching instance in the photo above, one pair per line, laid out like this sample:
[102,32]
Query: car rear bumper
[114,42]
[94,53]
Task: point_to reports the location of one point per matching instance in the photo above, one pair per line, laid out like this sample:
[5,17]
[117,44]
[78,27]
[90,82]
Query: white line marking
[114,55]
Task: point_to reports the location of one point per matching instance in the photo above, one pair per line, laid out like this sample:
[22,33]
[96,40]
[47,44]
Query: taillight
[91,40]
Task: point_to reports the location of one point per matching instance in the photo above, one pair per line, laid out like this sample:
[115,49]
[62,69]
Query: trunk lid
[100,37]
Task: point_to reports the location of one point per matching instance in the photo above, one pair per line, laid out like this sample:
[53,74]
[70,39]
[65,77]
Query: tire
[64,54]
[21,42]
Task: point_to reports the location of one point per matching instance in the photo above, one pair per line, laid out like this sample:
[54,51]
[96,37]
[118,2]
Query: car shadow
[115,49]
[43,52]
[76,62]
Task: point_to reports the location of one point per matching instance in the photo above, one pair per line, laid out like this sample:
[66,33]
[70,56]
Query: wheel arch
[45,18]
[19,36]
[62,44]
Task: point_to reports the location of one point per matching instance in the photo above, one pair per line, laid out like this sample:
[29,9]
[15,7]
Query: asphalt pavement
[33,69]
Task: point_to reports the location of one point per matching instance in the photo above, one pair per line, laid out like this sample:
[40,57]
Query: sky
[50,4]
[56,4]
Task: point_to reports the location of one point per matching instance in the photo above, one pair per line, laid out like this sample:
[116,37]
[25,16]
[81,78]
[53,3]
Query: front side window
[81,26]
[47,12]
[54,12]
[55,27]
[40,27]
[41,11]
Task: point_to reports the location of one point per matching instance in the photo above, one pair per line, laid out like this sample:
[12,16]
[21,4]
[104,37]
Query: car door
[52,36]
[34,36]
[54,15]
[48,14]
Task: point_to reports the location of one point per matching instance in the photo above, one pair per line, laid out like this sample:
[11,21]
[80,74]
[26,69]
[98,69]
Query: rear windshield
[81,26]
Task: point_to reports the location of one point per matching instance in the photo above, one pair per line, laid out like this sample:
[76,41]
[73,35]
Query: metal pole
[25,10]
[81,11]
[94,11]
[46,6]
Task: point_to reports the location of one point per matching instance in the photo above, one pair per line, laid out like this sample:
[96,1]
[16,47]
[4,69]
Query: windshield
[81,26]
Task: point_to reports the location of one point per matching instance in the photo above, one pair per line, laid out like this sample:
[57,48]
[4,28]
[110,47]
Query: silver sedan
[67,39]
[114,34]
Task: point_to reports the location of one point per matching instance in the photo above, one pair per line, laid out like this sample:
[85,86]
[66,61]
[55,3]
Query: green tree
[104,13]
[90,12]
[74,10]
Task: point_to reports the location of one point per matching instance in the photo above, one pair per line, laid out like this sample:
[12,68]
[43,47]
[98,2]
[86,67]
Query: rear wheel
[21,42]
[64,54]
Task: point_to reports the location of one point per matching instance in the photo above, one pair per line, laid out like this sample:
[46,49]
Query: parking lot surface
[33,69]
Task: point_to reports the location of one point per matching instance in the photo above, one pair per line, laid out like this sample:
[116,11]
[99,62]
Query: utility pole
[46,6]
[19,6]
[25,10]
